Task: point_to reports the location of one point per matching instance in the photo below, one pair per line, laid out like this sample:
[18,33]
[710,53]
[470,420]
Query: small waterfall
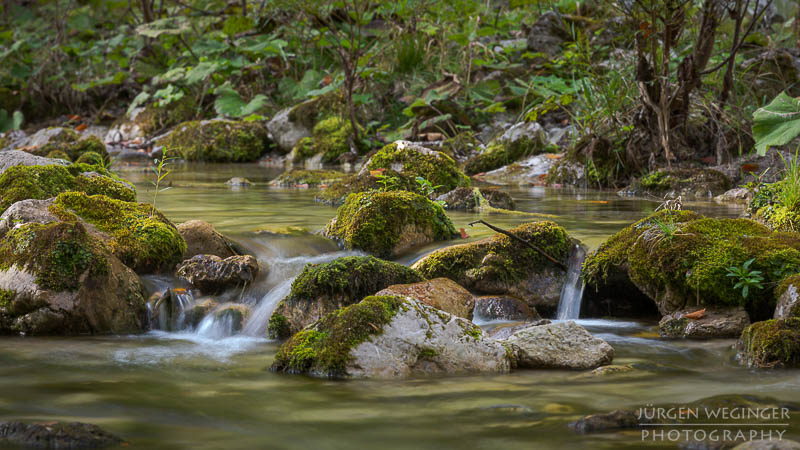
[215,326]
[569,304]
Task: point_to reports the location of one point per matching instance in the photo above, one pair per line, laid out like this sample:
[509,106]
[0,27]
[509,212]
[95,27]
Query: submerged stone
[308,178]
[57,435]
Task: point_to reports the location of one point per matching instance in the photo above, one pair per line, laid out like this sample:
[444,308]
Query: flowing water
[569,304]
[210,387]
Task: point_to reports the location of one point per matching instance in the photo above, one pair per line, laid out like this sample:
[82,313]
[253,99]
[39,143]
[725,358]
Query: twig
[519,239]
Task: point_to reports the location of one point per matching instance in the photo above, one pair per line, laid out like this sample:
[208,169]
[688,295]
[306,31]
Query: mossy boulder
[310,178]
[501,265]
[139,235]
[14,158]
[770,344]
[388,180]
[468,199]
[412,160]
[388,224]
[217,141]
[788,298]
[766,207]
[519,141]
[390,337]
[56,278]
[331,138]
[680,260]
[43,182]
[323,288]
[681,182]
[286,132]
[74,150]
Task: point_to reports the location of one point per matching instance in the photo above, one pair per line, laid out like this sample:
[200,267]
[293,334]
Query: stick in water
[519,239]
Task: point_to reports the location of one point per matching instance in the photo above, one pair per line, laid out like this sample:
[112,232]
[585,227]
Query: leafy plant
[788,193]
[161,172]
[9,123]
[387,182]
[425,187]
[777,123]
[745,278]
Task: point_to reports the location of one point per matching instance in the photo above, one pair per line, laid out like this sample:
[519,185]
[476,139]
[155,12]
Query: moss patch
[337,193]
[680,256]
[498,258]
[43,182]
[154,119]
[139,235]
[502,153]
[58,254]
[217,141]
[684,181]
[772,343]
[436,167]
[330,136]
[70,144]
[376,222]
[324,348]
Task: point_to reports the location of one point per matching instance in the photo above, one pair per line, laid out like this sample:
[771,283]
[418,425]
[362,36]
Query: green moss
[498,258]
[435,167]
[692,180]
[217,141]
[337,193]
[278,327]
[69,143]
[501,153]
[43,182]
[92,158]
[377,221]
[324,348]
[154,119]
[331,137]
[307,112]
[783,286]
[139,235]
[427,353]
[309,177]
[58,154]
[772,343]
[691,261]
[6,297]
[58,254]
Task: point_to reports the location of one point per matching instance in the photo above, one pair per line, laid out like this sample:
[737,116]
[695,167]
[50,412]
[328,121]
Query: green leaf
[8,123]
[201,71]
[138,100]
[170,25]
[229,103]
[777,123]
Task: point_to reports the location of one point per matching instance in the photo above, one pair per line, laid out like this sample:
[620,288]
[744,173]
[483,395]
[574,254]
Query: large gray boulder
[11,158]
[212,274]
[286,133]
[561,345]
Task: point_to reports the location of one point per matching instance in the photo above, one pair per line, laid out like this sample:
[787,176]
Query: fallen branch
[519,239]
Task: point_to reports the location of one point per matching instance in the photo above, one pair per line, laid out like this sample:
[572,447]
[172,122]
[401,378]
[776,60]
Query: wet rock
[562,345]
[772,343]
[197,312]
[500,265]
[390,337]
[128,155]
[788,302]
[500,307]
[306,178]
[547,34]
[735,195]
[57,435]
[212,274]
[464,198]
[715,323]
[239,182]
[411,160]
[323,288]
[506,330]
[58,279]
[330,139]
[389,224]
[441,293]
[680,182]
[26,211]
[12,158]
[612,370]
[232,317]
[285,132]
[13,139]
[150,120]
[202,239]
[523,139]
[620,419]
[529,171]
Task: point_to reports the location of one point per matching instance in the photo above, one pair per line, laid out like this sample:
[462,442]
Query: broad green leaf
[777,123]
[230,104]
[138,100]
[201,71]
[170,25]
[8,123]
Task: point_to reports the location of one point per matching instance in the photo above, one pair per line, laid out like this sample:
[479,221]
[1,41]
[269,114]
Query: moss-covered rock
[414,161]
[516,143]
[468,199]
[501,265]
[387,180]
[217,141]
[680,259]
[323,288]
[441,293]
[70,143]
[387,224]
[331,137]
[58,154]
[92,158]
[136,233]
[770,344]
[766,207]
[151,120]
[57,279]
[788,298]
[681,182]
[390,337]
[297,177]
[43,182]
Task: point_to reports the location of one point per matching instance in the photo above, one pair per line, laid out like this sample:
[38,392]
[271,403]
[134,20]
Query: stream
[211,388]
